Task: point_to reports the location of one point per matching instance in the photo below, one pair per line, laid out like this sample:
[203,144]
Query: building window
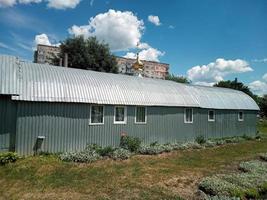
[120,115]
[240,116]
[188,115]
[97,115]
[140,115]
[211,116]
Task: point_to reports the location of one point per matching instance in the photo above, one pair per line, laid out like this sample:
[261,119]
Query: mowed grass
[166,176]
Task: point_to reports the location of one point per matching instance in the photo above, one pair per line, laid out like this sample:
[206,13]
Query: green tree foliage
[236,86]
[262,102]
[87,54]
[178,79]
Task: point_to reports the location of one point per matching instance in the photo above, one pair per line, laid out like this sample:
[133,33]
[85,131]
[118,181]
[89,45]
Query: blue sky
[207,41]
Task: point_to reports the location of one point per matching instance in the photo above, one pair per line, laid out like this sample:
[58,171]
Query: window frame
[209,119]
[125,115]
[238,116]
[90,118]
[188,122]
[145,122]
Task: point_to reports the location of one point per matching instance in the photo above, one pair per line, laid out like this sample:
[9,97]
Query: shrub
[253,166]
[210,143]
[8,157]
[105,151]
[263,156]
[120,154]
[130,143]
[200,139]
[216,186]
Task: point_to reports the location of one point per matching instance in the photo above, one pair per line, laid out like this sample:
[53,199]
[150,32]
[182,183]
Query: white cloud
[121,30]
[258,87]
[154,20]
[216,71]
[29,1]
[57,4]
[171,27]
[263,60]
[143,46]
[150,54]
[7,3]
[42,39]
[63,4]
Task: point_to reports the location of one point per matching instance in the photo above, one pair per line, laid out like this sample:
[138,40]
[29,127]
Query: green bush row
[132,145]
[250,183]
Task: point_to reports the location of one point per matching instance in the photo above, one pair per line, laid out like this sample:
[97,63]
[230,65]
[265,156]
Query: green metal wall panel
[7,123]
[66,126]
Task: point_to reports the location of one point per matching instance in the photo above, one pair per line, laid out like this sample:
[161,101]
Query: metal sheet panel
[58,84]
[39,82]
[8,75]
[66,126]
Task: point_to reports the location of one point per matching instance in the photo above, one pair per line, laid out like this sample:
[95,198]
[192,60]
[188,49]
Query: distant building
[151,69]
[45,53]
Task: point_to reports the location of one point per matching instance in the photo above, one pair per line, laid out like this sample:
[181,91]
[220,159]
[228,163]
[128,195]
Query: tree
[236,86]
[87,54]
[262,102]
[178,79]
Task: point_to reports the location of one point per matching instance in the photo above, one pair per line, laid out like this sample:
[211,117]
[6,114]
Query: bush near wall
[8,157]
[131,145]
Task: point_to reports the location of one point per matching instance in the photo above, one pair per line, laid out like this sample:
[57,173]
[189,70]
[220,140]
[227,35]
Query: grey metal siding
[66,126]
[226,123]
[7,123]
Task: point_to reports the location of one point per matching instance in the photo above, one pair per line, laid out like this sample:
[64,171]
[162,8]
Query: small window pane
[97,115]
[211,115]
[140,114]
[240,116]
[119,114]
[188,115]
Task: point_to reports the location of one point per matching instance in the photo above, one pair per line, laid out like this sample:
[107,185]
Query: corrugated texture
[8,72]
[223,98]
[66,126]
[38,82]
[7,124]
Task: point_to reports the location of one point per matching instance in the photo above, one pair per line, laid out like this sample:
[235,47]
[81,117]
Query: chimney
[60,62]
[65,60]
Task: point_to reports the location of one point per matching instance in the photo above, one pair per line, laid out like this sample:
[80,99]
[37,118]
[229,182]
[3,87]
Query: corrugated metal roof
[39,82]
[8,70]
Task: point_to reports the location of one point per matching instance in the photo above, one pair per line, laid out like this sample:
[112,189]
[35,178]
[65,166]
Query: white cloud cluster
[150,54]
[57,4]
[63,4]
[7,3]
[43,39]
[154,20]
[121,30]
[216,71]
[260,86]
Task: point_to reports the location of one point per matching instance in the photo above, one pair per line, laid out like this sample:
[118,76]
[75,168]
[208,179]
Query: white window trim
[186,122]
[90,123]
[211,120]
[145,115]
[125,115]
[240,120]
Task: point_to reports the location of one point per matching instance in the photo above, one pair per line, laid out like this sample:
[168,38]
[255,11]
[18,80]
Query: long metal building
[59,109]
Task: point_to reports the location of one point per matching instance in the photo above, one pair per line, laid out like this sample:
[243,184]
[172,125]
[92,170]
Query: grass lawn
[166,176]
